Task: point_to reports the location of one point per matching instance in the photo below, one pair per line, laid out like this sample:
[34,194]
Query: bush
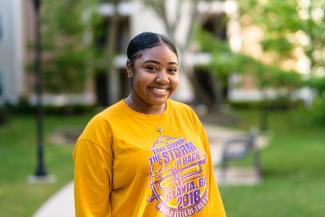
[24,106]
[3,118]
[317,111]
[277,104]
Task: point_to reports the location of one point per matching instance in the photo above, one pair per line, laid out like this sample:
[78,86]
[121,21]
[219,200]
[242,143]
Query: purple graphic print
[176,177]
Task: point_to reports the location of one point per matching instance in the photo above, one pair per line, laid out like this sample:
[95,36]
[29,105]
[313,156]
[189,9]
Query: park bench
[240,147]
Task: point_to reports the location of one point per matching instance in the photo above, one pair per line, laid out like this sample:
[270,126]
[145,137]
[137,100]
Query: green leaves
[292,27]
[318,83]
[224,61]
[67,55]
[283,22]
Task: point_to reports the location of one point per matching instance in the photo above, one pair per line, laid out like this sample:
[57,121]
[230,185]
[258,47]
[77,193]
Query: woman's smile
[159,91]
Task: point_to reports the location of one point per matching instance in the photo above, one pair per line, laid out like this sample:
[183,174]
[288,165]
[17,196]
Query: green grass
[292,167]
[18,161]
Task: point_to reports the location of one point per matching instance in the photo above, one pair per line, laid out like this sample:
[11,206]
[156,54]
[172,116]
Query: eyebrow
[157,62]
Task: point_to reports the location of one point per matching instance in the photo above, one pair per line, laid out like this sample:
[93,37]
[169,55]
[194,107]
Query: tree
[110,50]
[288,25]
[67,64]
[225,62]
[291,26]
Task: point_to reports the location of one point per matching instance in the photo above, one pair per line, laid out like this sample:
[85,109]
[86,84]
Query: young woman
[146,155]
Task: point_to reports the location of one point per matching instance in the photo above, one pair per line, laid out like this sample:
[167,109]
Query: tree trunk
[112,76]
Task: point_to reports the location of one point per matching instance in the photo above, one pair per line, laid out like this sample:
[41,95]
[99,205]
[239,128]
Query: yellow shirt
[125,167]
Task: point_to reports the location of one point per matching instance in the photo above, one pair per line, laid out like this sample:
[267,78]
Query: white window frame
[2,27]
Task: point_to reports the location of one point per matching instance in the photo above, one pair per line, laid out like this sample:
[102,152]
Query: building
[17,31]
[11,50]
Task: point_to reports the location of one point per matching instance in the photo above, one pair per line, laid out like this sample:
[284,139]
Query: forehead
[160,53]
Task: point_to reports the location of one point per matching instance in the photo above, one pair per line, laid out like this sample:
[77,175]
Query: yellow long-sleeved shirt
[125,167]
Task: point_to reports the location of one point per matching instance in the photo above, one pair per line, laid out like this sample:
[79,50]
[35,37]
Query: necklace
[130,102]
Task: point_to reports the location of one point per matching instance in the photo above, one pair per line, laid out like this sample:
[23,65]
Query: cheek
[175,80]
[140,82]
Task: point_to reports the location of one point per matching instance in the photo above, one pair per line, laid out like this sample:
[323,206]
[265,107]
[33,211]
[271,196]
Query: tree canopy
[67,48]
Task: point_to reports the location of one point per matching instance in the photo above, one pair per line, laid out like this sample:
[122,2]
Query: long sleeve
[93,172]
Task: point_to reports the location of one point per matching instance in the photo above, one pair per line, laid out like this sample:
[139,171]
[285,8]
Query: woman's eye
[151,68]
[172,70]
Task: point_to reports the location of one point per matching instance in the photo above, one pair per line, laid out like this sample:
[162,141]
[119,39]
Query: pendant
[160,130]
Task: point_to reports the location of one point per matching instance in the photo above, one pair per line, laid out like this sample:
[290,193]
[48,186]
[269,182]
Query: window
[1,28]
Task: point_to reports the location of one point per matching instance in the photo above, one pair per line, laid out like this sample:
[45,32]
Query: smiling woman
[146,155]
[154,77]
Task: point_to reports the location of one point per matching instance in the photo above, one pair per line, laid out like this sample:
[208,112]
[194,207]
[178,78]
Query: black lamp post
[40,170]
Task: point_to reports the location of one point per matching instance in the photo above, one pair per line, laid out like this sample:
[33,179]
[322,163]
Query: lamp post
[40,173]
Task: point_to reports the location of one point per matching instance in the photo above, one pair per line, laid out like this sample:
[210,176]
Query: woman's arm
[93,173]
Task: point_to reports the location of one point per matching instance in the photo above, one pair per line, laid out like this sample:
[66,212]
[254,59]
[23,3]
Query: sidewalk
[62,203]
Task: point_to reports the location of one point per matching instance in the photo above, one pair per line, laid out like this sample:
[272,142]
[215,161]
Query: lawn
[292,166]
[18,161]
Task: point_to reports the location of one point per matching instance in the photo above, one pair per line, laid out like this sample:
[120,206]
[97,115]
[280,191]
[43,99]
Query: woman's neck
[141,106]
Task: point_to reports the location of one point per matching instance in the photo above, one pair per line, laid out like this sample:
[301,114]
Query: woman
[146,155]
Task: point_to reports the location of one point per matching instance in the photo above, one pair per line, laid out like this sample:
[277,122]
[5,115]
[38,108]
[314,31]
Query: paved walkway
[62,203]
[59,205]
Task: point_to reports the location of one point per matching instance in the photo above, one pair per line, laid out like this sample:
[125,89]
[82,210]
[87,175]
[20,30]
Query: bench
[240,147]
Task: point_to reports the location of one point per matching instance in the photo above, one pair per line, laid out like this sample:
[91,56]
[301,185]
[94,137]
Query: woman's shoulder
[181,107]
[101,123]
[111,111]
[105,116]
[184,110]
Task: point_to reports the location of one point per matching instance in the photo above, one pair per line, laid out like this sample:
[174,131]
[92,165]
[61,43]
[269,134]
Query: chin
[159,101]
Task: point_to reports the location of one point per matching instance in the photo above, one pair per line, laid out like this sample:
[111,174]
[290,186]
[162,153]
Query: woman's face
[155,76]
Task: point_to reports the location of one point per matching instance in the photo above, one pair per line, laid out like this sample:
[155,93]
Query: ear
[129,69]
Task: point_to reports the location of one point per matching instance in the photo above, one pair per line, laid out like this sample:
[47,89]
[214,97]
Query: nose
[162,77]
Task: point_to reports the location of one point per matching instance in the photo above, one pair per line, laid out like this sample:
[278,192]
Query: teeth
[160,90]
